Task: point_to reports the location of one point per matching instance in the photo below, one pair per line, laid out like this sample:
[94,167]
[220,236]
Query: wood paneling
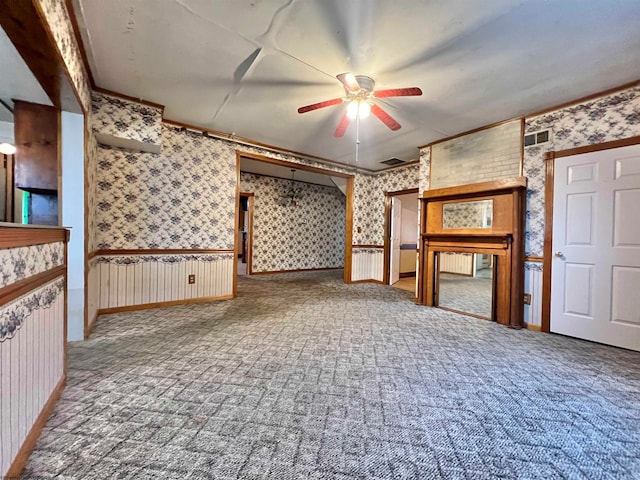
[37,130]
[533,286]
[13,236]
[368,266]
[157,282]
[476,189]
[31,372]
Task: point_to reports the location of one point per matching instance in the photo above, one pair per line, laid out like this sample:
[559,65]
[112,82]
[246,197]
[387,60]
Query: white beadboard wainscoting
[460,263]
[93,293]
[31,363]
[130,280]
[367,264]
[533,286]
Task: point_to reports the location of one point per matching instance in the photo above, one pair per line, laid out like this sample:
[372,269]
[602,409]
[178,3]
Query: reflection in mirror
[477,214]
[465,283]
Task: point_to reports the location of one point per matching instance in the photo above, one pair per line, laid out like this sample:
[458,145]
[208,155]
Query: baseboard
[253,272]
[91,326]
[370,280]
[31,439]
[407,274]
[173,303]
[535,328]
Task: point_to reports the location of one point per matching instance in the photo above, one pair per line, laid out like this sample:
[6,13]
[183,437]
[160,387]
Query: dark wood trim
[535,328]
[288,179]
[173,303]
[31,439]
[474,315]
[386,260]
[92,326]
[20,236]
[548,239]
[367,246]
[533,258]
[247,194]
[472,131]
[250,234]
[348,231]
[297,166]
[85,214]
[407,274]
[236,217]
[78,36]
[624,142]
[586,98]
[491,188]
[24,286]
[26,27]
[406,191]
[369,280]
[129,98]
[95,254]
[271,272]
[65,319]
[157,251]
[522,130]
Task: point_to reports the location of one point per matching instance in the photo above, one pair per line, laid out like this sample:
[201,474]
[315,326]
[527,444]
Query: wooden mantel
[503,238]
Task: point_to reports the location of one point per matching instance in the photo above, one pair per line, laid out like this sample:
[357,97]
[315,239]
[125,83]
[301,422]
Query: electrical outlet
[192,279]
[527,299]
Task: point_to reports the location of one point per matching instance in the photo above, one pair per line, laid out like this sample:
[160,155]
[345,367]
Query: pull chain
[357,135]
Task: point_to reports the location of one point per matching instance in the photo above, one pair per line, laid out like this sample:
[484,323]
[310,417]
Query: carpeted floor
[304,377]
[466,294]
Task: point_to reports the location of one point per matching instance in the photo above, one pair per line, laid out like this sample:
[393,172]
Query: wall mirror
[464,215]
[465,283]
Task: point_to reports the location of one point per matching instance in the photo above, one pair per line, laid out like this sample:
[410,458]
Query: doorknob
[559,254]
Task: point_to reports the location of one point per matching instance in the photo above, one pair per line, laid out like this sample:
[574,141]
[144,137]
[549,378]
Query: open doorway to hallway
[401,239]
[245,233]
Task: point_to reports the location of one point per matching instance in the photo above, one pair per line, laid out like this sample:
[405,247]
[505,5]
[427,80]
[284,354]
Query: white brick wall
[486,155]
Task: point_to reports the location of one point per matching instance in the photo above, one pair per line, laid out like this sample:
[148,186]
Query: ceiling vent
[536,138]
[393,161]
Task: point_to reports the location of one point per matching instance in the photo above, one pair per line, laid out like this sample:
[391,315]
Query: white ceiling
[245,66]
[16,80]
[264,168]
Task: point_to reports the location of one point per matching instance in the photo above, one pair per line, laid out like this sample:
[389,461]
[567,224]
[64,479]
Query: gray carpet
[304,377]
[466,294]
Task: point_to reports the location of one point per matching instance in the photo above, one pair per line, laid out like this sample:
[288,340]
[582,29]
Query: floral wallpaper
[91,186]
[368,208]
[14,314]
[133,259]
[22,262]
[285,237]
[126,119]
[604,119]
[57,16]
[425,170]
[183,197]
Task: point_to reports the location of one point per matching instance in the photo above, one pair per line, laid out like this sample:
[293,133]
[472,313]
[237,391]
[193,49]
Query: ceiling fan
[360,93]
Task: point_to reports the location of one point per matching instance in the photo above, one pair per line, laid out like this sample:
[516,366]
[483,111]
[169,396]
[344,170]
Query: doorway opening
[245,233]
[401,239]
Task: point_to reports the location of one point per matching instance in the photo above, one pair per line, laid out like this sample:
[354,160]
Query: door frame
[250,203]
[547,259]
[348,237]
[386,265]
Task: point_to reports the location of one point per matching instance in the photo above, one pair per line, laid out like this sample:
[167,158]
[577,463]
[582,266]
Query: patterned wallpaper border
[135,259]
[14,314]
[22,262]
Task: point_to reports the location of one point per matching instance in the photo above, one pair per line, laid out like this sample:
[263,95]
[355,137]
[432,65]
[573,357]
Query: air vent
[393,161]
[536,138]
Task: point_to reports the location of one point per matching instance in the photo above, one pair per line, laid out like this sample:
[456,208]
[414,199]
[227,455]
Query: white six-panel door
[595,284]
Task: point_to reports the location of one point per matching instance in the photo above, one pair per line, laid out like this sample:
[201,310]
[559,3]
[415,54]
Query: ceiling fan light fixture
[358,109]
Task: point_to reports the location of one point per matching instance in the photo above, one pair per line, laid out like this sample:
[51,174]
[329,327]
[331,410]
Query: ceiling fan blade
[316,106]
[398,92]
[385,117]
[342,126]
[349,81]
